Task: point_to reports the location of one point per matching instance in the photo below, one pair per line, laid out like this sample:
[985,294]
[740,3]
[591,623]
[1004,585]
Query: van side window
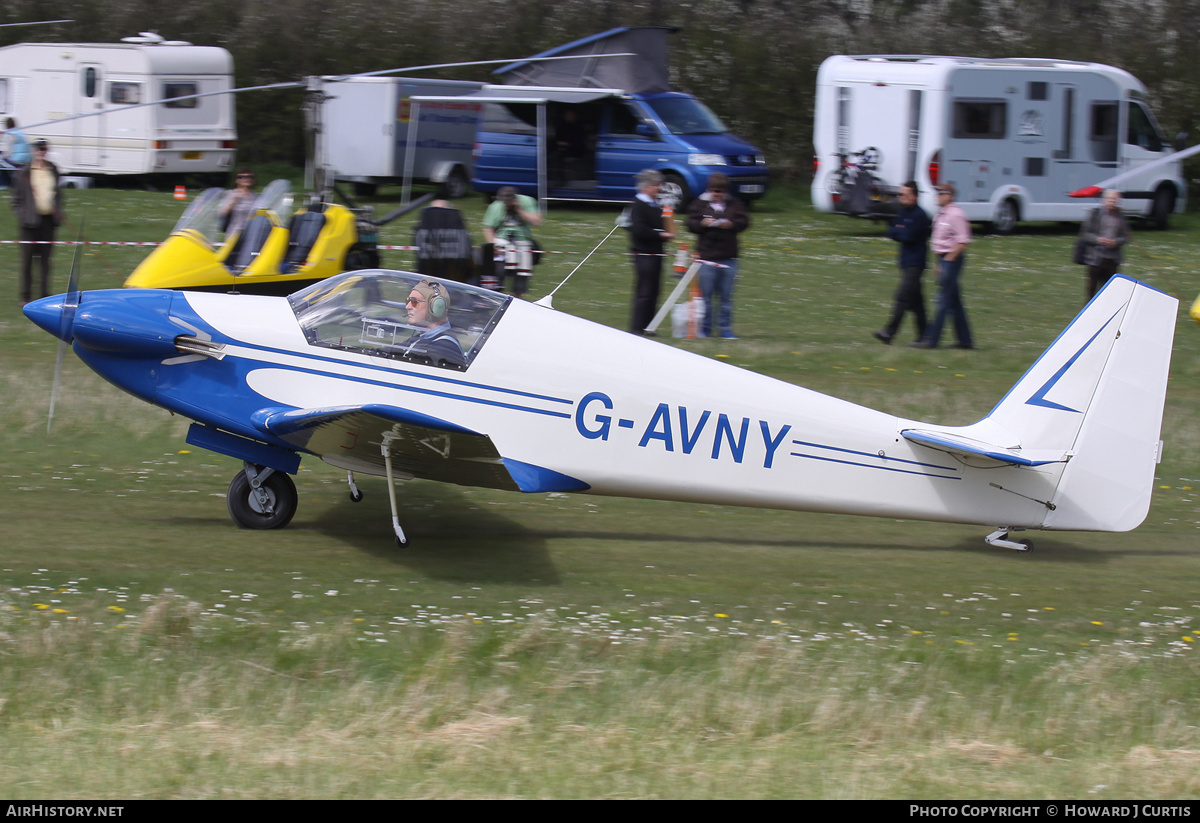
[3,95]
[173,90]
[124,94]
[980,119]
[515,119]
[623,119]
[1142,131]
[89,82]
[1102,133]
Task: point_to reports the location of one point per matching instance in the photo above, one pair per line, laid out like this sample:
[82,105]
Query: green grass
[567,646]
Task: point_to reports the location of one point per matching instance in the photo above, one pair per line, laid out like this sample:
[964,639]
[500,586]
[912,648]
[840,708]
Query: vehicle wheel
[1007,216]
[1164,204]
[1028,544]
[403,544]
[361,258]
[457,185]
[246,511]
[356,497]
[674,189]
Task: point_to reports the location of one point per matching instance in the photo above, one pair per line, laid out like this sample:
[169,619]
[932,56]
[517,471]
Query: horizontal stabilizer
[968,448]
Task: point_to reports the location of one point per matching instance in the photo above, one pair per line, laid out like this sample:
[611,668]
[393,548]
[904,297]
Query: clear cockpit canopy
[368,312]
[203,217]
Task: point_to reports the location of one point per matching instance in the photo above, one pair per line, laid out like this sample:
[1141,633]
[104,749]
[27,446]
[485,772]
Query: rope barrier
[381,248]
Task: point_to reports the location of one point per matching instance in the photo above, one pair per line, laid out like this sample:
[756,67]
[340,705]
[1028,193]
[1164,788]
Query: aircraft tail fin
[1097,395]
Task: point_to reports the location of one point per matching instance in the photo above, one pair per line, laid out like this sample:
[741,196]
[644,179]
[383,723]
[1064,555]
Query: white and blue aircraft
[389,373]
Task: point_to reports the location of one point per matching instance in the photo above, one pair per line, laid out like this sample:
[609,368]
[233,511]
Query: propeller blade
[70,305]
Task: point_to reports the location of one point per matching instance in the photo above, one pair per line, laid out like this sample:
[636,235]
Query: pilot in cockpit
[428,308]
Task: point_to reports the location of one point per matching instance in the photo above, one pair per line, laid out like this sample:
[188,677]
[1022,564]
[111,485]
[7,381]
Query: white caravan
[1014,136]
[41,83]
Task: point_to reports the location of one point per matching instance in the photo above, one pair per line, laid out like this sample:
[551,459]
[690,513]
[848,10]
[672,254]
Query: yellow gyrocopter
[276,252]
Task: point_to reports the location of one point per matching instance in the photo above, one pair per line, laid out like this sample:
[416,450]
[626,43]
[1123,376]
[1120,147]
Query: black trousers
[1099,274]
[43,231]
[908,299]
[647,269]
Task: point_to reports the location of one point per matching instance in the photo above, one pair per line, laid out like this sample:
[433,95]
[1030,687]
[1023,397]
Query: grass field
[565,646]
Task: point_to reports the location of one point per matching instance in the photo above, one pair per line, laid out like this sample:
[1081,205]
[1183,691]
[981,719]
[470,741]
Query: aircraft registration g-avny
[389,373]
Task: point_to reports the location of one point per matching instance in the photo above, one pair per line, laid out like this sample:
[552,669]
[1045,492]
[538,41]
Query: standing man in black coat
[37,200]
[646,239]
[910,228]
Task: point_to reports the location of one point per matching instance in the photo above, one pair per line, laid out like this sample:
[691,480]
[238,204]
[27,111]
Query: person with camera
[508,222]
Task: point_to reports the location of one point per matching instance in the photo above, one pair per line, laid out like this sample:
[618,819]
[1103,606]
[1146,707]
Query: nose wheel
[261,498]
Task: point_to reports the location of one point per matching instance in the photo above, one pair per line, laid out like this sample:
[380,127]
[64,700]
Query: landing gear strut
[355,495]
[261,498]
[999,539]
[386,449]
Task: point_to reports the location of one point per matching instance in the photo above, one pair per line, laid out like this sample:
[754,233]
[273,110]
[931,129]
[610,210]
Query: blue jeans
[949,302]
[718,281]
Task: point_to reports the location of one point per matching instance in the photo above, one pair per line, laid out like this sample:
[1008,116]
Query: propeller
[69,306]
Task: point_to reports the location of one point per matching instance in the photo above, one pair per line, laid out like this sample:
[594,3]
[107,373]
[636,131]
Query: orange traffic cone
[180,193]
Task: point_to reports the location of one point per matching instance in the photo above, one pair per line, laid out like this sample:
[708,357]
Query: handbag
[1082,252]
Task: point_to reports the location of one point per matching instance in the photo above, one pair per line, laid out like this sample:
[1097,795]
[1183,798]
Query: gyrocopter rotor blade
[313,83]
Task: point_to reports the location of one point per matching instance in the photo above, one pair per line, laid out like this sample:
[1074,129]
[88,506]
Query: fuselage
[624,415]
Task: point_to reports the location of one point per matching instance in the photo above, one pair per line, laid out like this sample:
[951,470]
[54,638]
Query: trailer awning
[539,96]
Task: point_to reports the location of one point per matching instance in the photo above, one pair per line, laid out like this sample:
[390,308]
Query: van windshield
[687,115]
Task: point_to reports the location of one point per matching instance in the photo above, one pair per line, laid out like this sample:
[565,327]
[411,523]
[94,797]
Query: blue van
[594,149]
[603,119]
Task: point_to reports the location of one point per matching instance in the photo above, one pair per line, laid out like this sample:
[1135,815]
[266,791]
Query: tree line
[752,61]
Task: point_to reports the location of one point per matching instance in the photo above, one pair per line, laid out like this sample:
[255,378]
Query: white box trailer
[367,126]
[1014,136]
[45,82]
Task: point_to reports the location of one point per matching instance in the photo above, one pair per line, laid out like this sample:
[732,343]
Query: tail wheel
[1007,216]
[274,512]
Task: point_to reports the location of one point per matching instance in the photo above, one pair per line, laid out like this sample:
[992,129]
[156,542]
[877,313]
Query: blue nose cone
[48,313]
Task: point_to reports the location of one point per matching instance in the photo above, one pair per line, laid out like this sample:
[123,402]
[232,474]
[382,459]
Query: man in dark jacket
[1106,233]
[717,219]
[646,238]
[910,228]
[37,200]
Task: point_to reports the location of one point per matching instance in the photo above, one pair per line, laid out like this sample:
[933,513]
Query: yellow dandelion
[1097,623]
[718,614]
[116,609]
[61,611]
[40,606]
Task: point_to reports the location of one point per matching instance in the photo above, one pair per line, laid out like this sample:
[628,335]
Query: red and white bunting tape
[381,248]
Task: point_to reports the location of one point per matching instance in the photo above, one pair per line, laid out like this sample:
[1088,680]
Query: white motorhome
[369,122]
[41,83]
[1014,136]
